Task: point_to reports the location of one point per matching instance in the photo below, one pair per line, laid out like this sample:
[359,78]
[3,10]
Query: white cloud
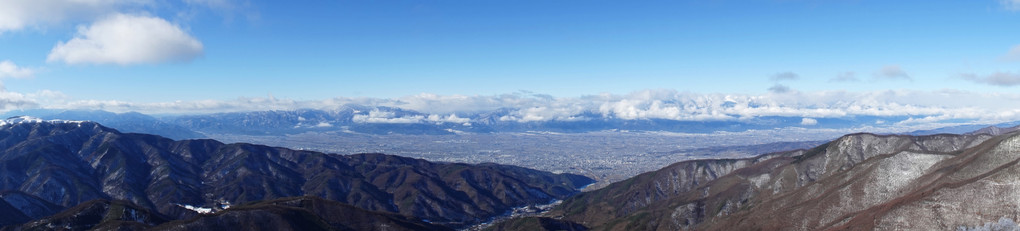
[808,121]
[128,39]
[452,118]
[386,117]
[892,72]
[10,100]
[9,70]
[21,14]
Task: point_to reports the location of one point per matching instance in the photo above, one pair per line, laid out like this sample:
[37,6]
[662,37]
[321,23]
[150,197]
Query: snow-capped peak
[30,119]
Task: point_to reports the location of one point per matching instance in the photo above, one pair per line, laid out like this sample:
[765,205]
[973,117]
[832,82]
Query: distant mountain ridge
[391,120]
[51,165]
[993,129]
[133,122]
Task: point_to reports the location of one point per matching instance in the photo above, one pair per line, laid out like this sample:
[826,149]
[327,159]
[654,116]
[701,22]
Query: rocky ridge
[859,182]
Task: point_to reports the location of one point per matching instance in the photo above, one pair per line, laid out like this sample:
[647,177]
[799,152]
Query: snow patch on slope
[197,209]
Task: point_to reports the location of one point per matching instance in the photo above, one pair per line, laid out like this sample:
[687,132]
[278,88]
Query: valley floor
[607,156]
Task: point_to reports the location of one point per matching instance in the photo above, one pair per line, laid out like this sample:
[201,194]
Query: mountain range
[81,174]
[390,120]
[77,175]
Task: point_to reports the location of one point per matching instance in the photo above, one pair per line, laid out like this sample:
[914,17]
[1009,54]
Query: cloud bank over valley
[905,108]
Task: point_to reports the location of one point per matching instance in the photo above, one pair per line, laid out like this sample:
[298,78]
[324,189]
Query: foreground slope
[292,213]
[300,213]
[97,214]
[860,181]
[66,163]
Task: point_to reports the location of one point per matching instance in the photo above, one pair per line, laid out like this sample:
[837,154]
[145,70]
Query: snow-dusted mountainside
[29,119]
[857,182]
[47,166]
[132,122]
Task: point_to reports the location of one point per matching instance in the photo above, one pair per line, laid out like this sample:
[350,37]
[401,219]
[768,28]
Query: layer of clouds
[128,39]
[784,76]
[9,70]
[892,72]
[13,100]
[378,116]
[452,118]
[1004,79]
[808,121]
[919,106]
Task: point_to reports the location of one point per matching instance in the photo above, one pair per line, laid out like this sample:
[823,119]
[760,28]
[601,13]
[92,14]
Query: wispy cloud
[779,89]
[21,14]
[782,76]
[228,8]
[1013,54]
[128,39]
[1012,5]
[1002,79]
[892,72]
[845,77]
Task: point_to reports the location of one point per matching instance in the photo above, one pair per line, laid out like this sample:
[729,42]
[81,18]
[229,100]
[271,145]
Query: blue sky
[220,50]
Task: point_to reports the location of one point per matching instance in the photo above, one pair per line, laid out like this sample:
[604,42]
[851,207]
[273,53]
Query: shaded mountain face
[858,182]
[66,163]
[536,224]
[292,213]
[99,214]
[300,213]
